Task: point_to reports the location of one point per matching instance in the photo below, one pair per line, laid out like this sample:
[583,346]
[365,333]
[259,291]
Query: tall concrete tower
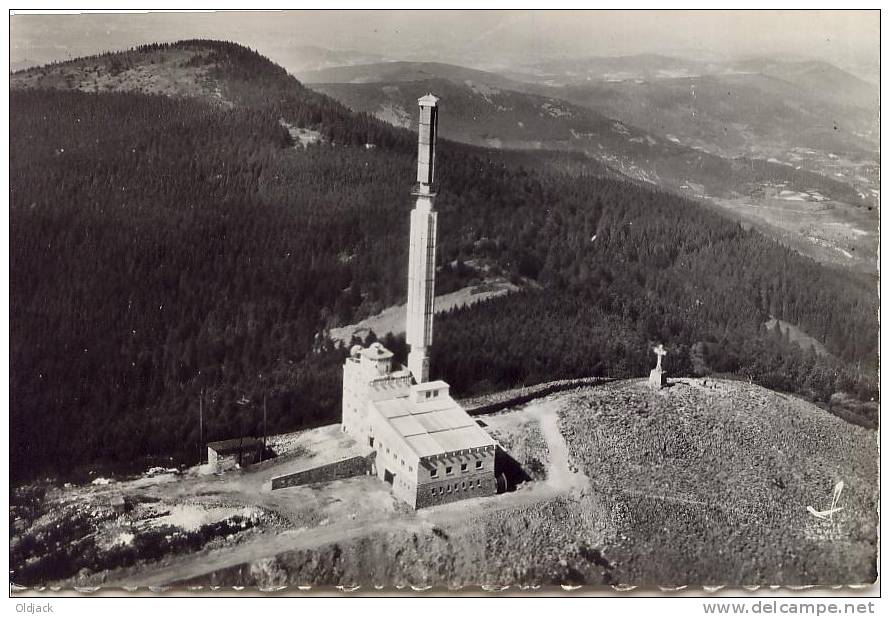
[422,252]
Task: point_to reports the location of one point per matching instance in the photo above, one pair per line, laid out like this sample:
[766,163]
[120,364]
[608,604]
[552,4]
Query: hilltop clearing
[182,71]
[706,482]
[709,480]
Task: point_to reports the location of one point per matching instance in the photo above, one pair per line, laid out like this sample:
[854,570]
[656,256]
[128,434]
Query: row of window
[442,490]
[434,472]
[449,470]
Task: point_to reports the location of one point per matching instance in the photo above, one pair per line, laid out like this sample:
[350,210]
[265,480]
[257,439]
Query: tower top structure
[426,144]
[428,100]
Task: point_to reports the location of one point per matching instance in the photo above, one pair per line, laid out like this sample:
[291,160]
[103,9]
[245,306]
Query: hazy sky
[850,39]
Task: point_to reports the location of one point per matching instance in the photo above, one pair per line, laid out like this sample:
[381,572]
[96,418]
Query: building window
[463,485]
[478,464]
[434,472]
[410,468]
[463,466]
[449,470]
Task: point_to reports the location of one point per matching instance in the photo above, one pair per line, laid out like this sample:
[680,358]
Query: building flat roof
[403,406]
[433,427]
[430,385]
[233,445]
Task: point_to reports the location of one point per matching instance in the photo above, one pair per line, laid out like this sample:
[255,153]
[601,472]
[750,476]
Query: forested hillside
[164,246]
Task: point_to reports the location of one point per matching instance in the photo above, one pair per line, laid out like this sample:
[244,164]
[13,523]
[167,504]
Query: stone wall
[425,498]
[272,461]
[346,468]
[491,403]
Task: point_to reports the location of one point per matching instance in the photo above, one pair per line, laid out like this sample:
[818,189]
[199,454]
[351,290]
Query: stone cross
[659,351]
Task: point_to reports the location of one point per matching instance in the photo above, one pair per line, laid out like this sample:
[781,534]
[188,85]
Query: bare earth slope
[711,486]
[704,483]
[172,72]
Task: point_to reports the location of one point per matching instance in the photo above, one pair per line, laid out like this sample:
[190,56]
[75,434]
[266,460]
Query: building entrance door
[388,476]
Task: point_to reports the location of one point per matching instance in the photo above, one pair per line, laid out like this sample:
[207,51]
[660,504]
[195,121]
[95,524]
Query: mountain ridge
[491,117]
[748,142]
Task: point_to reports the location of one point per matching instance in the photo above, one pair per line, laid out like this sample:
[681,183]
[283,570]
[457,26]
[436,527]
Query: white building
[428,448]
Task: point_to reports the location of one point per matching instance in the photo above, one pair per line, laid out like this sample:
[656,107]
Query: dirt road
[198,564]
[560,476]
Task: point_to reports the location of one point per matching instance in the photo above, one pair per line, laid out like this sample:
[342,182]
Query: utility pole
[263,453]
[243,402]
[201,427]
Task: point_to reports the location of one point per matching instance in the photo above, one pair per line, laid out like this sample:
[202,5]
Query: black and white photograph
[444,302]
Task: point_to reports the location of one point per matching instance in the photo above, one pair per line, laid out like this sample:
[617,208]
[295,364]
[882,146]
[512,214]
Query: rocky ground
[703,483]
[708,483]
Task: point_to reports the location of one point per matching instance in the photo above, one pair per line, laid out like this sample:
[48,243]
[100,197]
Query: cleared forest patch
[392,319]
[796,335]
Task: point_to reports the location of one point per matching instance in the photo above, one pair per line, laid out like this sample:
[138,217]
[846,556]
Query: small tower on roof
[422,250]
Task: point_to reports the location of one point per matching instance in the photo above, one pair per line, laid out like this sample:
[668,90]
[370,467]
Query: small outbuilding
[120,505]
[241,451]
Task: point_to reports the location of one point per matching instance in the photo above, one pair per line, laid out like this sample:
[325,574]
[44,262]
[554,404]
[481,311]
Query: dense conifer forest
[165,247]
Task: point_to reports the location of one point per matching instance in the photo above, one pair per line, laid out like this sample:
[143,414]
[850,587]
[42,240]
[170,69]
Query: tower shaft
[422,249]
[421,288]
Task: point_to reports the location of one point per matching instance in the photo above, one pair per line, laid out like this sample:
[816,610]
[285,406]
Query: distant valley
[768,146]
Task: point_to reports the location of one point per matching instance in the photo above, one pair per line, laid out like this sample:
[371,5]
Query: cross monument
[660,351]
[657,379]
